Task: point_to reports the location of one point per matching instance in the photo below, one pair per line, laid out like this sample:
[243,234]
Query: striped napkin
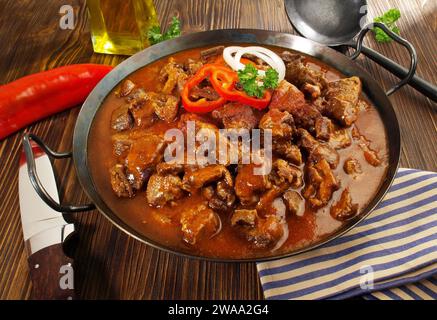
[392,254]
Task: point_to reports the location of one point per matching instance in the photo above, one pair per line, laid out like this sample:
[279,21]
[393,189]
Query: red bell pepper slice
[224,82]
[201,105]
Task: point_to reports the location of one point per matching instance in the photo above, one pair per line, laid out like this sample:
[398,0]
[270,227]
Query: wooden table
[109,263]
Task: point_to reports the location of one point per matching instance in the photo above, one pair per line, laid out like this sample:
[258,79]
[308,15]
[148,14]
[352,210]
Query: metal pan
[259,37]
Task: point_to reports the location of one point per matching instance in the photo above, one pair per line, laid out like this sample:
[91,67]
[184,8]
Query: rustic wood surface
[109,263]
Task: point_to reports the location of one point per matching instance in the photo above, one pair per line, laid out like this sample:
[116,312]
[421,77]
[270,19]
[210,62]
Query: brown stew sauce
[303,231]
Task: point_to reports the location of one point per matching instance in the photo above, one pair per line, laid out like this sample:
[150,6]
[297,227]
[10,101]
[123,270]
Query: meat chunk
[173,75]
[287,97]
[244,217]
[196,179]
[199,222]
[371,156]
[143,112]
[342,98]
[344,209]
[288,57]
[121,118]
[267,232]
[169,168]
[288,151]
[294,202]
[323,128]
[302,75]
[285,173]
[206,92]
[318,150]
[211,53]
[320,184]
[340,138]
[312,90]
[262,231]
[352,167]
[119,182]
[236,116]
[162,189]
[136,95]
[208,131]
[281,124]
[249,186]
[126,88]
[165,106]
[265,204]
[192,66]
[145,153]
[199,122]
[121,143]
[221,197]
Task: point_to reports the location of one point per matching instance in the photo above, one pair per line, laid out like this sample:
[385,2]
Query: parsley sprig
[389,18]
[174,30]
[249,80]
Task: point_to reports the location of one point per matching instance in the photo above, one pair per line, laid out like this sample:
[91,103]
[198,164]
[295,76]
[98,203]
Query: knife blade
[44,232]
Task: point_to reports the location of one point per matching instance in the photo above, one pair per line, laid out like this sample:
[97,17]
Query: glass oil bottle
[121,26]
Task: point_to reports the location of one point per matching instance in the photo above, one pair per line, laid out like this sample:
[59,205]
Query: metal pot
[259,37]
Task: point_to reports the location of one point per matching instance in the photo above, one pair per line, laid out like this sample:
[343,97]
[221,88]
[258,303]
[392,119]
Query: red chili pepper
[201,105]
[37,96]
[223,80]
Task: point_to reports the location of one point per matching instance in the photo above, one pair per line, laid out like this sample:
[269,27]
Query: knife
[45,232]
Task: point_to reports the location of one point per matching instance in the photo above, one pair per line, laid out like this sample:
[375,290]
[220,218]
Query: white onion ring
[260,55]
[278,64]
[229,59]
[268,56]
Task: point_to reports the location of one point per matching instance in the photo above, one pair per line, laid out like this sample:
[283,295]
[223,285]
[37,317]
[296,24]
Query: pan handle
[34,179]
[398,39]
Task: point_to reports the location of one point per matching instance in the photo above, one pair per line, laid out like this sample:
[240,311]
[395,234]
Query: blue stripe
[427,290]
[392,295]
[382,266]
[433,280]
[391,213]
[356,291]
[406,172]
[329,256]
[409,292]
[413,181]
[395,224]
[407,195]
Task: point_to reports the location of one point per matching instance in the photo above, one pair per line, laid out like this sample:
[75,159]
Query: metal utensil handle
[398,39]
[34,179]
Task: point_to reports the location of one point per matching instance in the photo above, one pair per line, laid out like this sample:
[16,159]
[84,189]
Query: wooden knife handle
[52,274]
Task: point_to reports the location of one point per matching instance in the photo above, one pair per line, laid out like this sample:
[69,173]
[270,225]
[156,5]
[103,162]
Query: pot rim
[226,36]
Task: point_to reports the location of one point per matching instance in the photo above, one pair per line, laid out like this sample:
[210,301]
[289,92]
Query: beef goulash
[329,155]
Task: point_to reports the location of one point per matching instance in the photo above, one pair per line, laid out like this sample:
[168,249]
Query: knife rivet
[37,266]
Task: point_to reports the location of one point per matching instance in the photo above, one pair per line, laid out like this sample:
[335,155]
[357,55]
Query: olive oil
[121,26]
